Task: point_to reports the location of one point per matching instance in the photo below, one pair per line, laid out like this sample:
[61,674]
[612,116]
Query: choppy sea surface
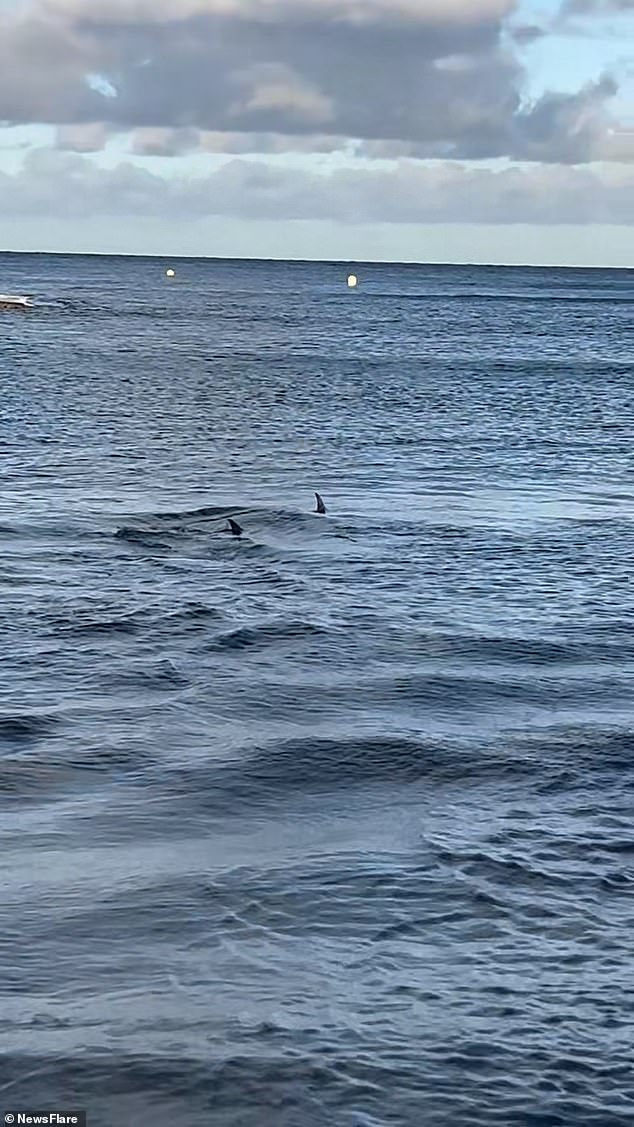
[330,825]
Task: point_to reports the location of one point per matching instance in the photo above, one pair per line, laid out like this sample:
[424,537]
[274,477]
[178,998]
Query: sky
[496,131]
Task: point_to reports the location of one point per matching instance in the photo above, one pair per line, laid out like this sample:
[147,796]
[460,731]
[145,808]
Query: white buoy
[170,273]
[352,281]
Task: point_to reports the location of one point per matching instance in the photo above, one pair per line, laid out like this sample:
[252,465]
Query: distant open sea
[331,825]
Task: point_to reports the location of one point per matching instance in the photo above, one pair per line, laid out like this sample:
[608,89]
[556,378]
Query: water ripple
[329,824]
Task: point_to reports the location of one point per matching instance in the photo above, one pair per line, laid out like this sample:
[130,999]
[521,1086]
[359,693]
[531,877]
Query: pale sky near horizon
[417,130]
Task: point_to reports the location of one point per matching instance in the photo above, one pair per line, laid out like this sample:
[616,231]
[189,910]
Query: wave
[25,728]
[264,634]
[154,676]
[530,296]
[514,650]
[211,519]
[94,619]
[145,537]
[587,748]
[444,695]
[302,766]
[204,512]
[46,773]
[255,776]
[267,513]
[263,1074]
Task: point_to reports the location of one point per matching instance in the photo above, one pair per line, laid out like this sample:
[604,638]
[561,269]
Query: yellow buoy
[352,281]
[170,273]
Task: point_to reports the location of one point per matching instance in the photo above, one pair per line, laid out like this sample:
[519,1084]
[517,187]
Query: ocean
[331,824]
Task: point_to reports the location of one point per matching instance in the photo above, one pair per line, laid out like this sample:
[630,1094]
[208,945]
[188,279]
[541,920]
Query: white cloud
[60,185]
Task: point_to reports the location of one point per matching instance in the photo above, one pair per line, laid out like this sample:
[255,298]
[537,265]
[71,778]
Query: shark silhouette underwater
[232,529]
[236,529]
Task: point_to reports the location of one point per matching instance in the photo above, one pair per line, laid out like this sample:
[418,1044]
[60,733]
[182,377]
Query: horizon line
[314,261]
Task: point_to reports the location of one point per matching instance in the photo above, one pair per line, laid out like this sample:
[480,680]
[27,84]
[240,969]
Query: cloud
[596,7]
[89,138]
[154,142]
[354,12]
[556,128]
[433,77]
[526,34]
[569,128]
[61,185]
[176,142]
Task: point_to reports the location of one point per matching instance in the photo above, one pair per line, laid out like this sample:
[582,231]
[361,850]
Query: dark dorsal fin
[235,527]
[321,508]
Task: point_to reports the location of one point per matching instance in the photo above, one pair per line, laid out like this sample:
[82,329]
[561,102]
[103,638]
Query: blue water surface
[330,825]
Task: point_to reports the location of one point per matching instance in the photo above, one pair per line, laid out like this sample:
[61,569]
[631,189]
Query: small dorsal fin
[235,527]
[321,508]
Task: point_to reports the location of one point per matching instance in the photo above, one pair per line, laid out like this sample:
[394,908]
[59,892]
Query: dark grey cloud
[176,142]
[433,77]
[164,142]
[562,127]
[67,186]
[526,34]
[556,128]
